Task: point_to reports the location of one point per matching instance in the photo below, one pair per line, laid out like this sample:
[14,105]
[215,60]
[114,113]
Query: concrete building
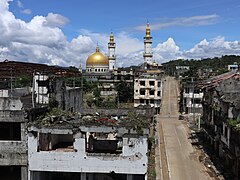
[99,65]
[192,99]
[54,90]
[181,70]
[221,116]
[13,142]
[87,147]
[233,67]
[107,85]
[148,91]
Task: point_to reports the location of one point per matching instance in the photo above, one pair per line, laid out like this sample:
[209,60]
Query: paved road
[177,158]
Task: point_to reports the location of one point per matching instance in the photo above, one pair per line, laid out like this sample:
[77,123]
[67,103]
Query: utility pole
[193,83]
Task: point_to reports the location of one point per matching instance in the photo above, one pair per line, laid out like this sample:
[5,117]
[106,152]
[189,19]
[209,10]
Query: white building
[233,67]
[74,151]
[40,85]
[192,99]
[148,91]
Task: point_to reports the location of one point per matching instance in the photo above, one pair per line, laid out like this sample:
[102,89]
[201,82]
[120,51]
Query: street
[176,158]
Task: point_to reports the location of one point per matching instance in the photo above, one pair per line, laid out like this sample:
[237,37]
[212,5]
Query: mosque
[99,65]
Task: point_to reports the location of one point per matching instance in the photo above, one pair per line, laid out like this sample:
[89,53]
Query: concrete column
[83,176]
[24,173]
[129,177]
[146,176]
[90,176]
[23,135]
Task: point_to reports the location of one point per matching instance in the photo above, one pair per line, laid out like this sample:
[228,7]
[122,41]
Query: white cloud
[26,11]
[41,40]
[213,48]
[182,21]
[167,51]
[55,20]
[216,47]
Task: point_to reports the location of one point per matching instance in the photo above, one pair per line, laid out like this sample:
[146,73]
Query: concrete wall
[12,116]
[13,152]
[133,159]
[149,112]
[73,99]
[4,93]
[12,104]
[41,91]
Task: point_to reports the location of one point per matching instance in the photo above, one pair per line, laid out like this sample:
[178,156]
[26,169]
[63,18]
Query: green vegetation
[140,121]
[22,81]
[125,92]
[234,123]
[217,64]
[151,165]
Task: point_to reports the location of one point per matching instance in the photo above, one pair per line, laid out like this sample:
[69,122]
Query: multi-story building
[54,90]
[192,99]
[87,147]
[107,85]
[148,91]
[13,140]
[221,113]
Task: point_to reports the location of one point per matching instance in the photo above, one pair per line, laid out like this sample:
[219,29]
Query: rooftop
[65,120]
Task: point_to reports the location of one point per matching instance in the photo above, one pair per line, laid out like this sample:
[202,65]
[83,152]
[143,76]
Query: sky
[66,32]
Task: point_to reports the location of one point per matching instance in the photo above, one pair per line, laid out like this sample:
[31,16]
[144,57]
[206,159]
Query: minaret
[147,55]
[111,53]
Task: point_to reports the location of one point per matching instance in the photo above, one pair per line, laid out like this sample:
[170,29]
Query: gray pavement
[181,159]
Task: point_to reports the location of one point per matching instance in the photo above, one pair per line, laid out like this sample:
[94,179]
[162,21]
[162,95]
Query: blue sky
[180,29]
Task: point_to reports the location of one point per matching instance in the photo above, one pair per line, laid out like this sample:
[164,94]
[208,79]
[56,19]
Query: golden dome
[97,59]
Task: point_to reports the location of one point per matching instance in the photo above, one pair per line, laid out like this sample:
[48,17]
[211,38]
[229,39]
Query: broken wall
[132,160]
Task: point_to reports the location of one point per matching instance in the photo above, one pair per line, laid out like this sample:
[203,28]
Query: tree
[125,91]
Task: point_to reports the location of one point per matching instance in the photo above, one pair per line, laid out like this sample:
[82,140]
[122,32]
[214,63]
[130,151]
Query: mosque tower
[111,53]
[147,55]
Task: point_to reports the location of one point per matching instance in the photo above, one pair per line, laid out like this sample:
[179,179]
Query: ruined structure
[148,91]
[221,115]
[13,140]
[54,92]
[88,147]
[191,98]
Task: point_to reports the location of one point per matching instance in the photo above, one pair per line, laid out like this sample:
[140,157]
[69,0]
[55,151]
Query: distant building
[181,70]
[148,91]
[192,99]
[233,67]
[98,65]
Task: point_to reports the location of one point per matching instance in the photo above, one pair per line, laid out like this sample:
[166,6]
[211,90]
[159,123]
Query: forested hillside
[217,64]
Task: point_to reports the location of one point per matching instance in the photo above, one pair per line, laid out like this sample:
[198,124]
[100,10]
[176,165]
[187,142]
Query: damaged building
[148,91]
[221,115]
[53,90]
[13,142]
[16,104]
[88,147]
